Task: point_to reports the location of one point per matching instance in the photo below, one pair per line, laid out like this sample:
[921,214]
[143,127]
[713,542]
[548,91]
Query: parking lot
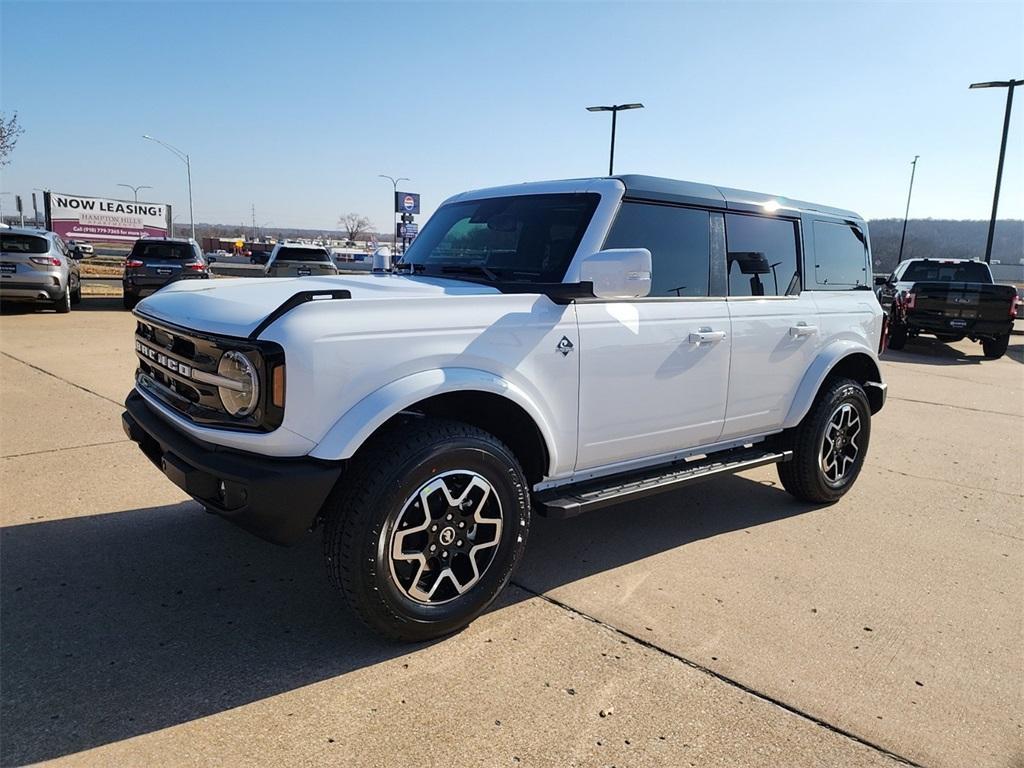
[726,624]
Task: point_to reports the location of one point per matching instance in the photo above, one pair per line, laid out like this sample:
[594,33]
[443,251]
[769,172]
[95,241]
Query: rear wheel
[129,300]
[426,527]
[76,295]
[995,348]
[63,303]
[897,335]
[830,444]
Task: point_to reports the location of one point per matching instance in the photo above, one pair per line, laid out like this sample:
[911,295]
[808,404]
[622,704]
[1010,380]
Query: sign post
[407,204]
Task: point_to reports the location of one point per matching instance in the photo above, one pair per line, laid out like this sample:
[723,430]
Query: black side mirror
[881,280]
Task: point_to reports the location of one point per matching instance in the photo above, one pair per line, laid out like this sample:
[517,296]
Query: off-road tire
[62,304]
[803,476]
[995,348]
[361,514]
[897,336]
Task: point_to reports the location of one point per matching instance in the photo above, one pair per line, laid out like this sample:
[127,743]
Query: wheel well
[862,369]
[492,413]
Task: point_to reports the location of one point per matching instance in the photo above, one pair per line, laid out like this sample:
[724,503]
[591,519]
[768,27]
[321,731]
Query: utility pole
[394,214]
[913,169]
[1009,85]
[253,221]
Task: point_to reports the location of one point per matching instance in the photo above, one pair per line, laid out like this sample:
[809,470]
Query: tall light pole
[913,169]
[135,189]
[614,109]
[188,170]
[394,215]
[1009,85]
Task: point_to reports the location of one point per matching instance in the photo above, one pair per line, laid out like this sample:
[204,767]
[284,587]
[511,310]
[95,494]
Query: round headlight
[241,398]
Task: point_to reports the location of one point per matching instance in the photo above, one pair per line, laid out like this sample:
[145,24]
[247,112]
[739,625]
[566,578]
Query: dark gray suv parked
[155,262]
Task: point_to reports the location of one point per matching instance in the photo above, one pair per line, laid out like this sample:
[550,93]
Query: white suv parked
[544,348]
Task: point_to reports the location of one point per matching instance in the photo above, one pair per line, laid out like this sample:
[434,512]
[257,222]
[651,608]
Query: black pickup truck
[950,299]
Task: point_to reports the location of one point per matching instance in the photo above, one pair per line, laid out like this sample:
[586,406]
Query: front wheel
[995,348]
[830,444]
[426,527]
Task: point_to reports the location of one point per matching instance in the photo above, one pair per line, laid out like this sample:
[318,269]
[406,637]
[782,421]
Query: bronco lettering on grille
[182,369]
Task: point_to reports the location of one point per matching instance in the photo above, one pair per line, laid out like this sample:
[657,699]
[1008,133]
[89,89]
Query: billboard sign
[100,218]
[407,202]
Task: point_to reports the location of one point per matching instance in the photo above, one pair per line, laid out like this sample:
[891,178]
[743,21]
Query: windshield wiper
[471,269]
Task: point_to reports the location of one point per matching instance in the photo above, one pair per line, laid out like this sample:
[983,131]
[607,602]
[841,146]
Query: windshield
[528,238]
[946,272]
[23,244]
[302,254]
[163,251]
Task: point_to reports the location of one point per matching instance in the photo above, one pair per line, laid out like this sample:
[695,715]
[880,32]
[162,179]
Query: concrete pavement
[721,625]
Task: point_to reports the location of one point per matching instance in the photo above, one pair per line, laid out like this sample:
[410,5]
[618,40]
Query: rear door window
[840,256]
[762,256]
[679,240]
[14,243]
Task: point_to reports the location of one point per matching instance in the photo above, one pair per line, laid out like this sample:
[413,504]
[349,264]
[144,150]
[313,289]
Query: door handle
[802,329]
[705,336]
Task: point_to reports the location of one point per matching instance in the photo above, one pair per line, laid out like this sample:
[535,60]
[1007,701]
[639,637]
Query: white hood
[234,307]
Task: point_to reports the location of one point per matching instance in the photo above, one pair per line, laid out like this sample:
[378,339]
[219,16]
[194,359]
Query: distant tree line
[944,239]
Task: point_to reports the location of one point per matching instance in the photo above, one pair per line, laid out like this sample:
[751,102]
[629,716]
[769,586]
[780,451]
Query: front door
[654,372]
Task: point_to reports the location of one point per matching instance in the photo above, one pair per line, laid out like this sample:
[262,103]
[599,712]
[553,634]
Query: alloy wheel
[445,537]
[839,448]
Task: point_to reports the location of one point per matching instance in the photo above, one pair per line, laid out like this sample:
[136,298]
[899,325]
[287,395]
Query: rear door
[654,371]
[25,259]
[775,333]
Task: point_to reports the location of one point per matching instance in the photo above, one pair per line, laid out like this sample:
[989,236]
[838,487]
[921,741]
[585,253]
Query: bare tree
[354,224]
[9,133]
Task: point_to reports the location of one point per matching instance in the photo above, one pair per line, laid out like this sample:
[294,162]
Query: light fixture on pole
[188,170]
[913,169]
[614,109]
[135,189]
[1009,85]
[394,184]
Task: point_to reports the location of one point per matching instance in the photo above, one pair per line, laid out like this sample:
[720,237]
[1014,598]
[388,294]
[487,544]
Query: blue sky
[296,107]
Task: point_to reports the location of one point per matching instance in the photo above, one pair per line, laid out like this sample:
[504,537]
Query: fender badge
[564,346]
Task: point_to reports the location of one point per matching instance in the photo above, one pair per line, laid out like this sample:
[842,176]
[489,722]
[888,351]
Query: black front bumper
[278,499]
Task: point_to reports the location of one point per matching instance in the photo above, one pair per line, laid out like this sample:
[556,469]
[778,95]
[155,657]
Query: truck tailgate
[962,305]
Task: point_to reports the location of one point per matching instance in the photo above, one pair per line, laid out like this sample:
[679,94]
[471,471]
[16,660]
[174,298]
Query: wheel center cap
[447,536]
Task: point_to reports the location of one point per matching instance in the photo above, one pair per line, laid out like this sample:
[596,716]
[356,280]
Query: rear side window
[12,243]
[679,240]
[302,254]
[840,256]
[157,250]
[762,256]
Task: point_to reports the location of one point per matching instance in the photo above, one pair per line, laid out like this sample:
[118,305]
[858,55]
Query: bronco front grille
[173,361]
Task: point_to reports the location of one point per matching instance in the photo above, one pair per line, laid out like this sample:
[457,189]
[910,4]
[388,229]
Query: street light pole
[614,109]
[1009,85]
[188,171]
[135,189]
[394,215]
[913,169]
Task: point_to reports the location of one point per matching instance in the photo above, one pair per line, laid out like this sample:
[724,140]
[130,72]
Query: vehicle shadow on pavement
[121,624]
[928,351]
[564,551]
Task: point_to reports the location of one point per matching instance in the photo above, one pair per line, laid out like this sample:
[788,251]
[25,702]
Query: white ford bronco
[545,348]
